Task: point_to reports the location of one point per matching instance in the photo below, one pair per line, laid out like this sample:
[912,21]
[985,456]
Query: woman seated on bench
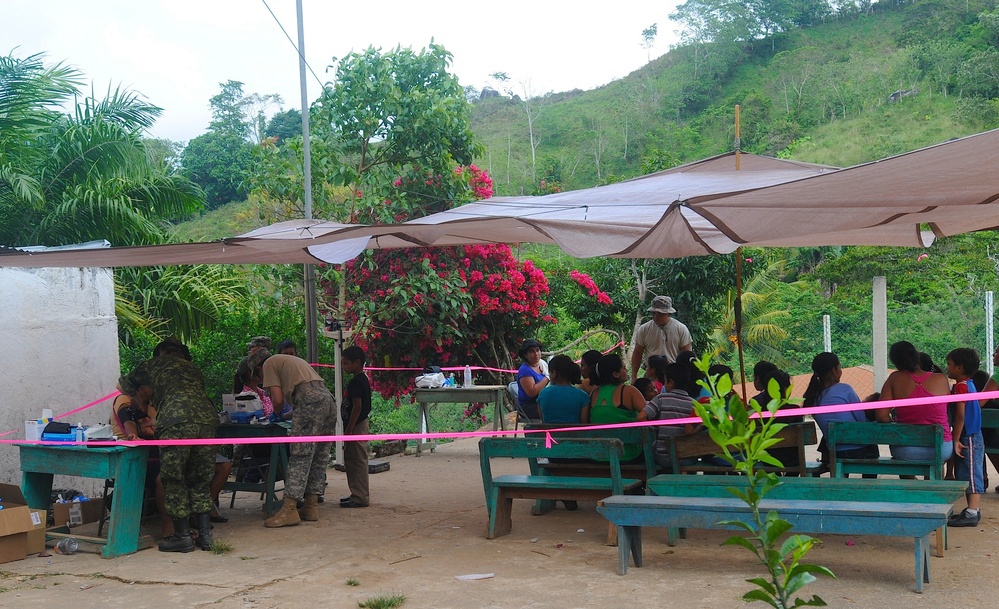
[614,400]
[911,381]
[825,389]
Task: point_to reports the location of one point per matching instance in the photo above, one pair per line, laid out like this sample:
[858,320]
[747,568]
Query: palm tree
[764,316]
[88,176]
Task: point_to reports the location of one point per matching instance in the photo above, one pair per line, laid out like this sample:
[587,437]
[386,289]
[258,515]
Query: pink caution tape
[790,412]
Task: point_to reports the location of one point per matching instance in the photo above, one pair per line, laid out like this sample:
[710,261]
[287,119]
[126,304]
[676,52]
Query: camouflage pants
[315,415]
[187,471]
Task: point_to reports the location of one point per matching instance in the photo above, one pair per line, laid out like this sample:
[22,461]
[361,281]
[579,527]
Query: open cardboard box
[76,513]
[17,523]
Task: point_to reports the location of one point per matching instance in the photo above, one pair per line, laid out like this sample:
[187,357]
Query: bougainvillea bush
[447,306]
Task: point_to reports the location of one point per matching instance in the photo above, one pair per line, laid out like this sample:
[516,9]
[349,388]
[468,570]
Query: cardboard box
[15,523]
[36,536]
[76,513]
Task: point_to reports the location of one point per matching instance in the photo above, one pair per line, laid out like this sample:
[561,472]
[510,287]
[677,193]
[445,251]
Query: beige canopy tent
[601,221]
[700,208]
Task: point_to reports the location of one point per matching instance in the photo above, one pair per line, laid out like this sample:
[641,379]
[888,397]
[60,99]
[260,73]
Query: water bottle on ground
[468,376]
[67,545]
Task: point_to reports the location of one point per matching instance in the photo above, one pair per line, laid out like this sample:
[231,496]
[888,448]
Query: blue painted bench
[501,490]
[819,489]
[915,520]
[886,433]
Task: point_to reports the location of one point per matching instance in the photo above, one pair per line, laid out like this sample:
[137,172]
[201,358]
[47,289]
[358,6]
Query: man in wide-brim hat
[661,335]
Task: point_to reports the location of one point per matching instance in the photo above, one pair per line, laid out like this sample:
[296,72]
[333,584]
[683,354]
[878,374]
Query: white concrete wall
[60,351]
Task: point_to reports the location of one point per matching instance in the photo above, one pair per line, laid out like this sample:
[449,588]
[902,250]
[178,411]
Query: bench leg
[629,542]
[941,544]
[612,537]
[501,519]
[922,562]
[672,534]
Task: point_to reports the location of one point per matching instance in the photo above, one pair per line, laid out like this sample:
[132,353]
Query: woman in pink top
[911,381]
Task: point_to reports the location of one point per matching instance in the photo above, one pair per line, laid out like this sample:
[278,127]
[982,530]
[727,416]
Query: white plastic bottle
[468,375]
[79,432]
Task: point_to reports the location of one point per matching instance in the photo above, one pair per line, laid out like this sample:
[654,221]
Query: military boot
[180,541]
[310,511]
[204,540]
[286,516]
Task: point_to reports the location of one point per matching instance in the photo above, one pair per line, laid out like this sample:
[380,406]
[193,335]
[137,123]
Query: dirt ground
[426,526]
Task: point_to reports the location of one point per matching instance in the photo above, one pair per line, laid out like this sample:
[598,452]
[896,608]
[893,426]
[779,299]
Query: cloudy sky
[176,52]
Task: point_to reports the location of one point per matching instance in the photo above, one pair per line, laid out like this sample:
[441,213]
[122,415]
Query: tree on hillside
[284,124]
[255,107]
[721,21]
[219,160]
[649,39]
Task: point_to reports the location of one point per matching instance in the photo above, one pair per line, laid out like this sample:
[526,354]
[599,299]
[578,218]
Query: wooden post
[737,308]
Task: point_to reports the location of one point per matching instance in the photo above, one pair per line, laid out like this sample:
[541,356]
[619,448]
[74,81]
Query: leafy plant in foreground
[744,433]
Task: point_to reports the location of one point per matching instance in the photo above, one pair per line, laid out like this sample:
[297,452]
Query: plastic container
[240,417]
[67,545]
[78,432]
[468,376]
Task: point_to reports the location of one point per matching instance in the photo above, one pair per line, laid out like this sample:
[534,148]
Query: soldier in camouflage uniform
[287,376]
[183,411]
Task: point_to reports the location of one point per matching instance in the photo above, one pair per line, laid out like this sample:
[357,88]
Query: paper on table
[474,576]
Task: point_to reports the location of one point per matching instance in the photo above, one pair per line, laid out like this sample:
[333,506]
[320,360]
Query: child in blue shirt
[969,447]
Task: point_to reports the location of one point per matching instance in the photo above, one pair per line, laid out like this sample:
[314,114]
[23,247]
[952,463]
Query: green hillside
[818,94]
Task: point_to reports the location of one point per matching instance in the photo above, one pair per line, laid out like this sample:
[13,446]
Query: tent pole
[738,321]
[738,277]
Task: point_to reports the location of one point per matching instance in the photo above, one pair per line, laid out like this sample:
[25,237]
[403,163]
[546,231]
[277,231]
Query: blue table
[125,465]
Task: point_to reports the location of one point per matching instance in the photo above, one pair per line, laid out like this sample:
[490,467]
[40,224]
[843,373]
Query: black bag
[56,427]
[432,370]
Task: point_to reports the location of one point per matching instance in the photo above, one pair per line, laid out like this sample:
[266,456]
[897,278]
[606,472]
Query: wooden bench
[796,435]
[642,436]
[886,433]
[915,520]
[820,489]
[502,490]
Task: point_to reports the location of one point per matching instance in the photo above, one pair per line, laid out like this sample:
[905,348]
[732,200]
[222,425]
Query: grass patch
[382,602]
[221,546]
[353,582]
[248,557]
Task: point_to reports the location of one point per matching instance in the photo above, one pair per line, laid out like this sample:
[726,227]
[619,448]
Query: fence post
[990,312]
[879,331]
[826,334]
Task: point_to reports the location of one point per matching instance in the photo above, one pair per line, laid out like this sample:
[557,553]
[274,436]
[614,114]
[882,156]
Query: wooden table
[477,394]
[278,460]
[125,465]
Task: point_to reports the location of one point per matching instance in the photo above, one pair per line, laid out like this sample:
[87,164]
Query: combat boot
[286,516]
[310,511]
[204,540]
[180,541]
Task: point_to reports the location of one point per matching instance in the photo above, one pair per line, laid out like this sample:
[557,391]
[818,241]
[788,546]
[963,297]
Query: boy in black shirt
[356,408]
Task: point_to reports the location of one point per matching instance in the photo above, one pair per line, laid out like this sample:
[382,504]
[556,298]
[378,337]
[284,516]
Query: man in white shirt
[662,335]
